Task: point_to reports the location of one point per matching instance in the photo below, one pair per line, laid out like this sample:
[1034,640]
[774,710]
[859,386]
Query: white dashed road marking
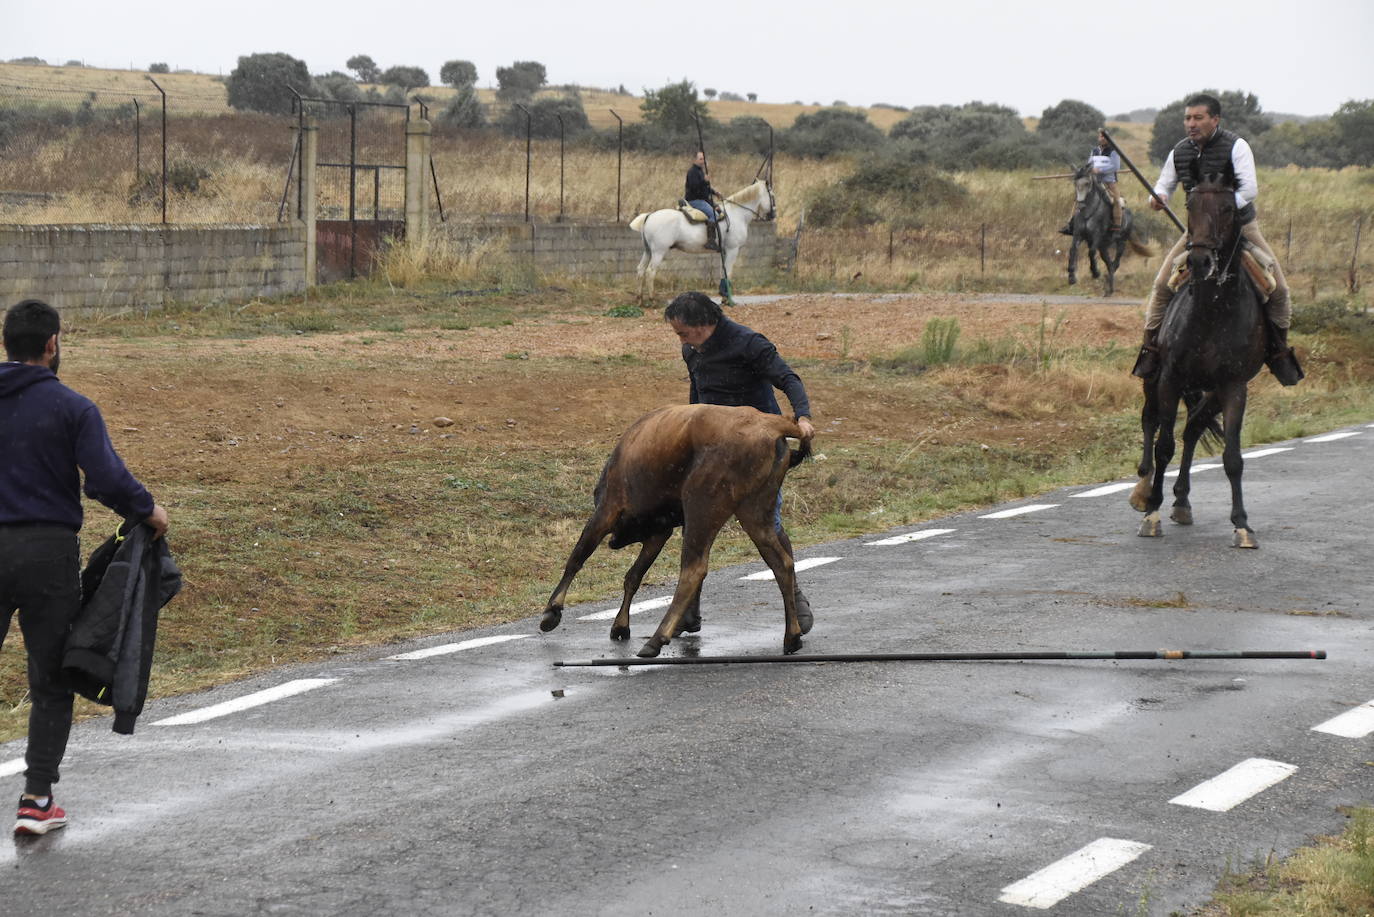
[799,566]
[299,686]
[635,608]
[457,647]
[1106,489]
[1352,724]
[1230,788]
[909,536]
[1260,453]
[12,766]
[1332,437]
[1196,468]
[1047,887]
[1019,511]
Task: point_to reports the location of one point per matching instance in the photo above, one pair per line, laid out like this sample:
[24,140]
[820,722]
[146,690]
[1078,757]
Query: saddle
[1253,259]
[694,215]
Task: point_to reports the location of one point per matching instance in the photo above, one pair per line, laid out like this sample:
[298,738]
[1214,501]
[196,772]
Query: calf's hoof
[1244,538]
[620,633]
[651,647]
[791,644]
[1183,515]
[551,618]
[1150,527]
[1140,493]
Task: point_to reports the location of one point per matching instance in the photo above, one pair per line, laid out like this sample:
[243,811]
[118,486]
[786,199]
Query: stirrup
[1146,364]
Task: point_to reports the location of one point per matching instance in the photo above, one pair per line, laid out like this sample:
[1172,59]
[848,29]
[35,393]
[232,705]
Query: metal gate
[360,187]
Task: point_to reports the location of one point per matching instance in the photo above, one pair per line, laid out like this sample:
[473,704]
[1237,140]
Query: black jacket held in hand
[110,649]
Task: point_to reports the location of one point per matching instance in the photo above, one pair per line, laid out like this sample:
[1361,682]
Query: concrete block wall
[90,267]
[605,251]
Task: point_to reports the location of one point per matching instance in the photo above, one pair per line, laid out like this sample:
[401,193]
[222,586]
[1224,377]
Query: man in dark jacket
[49,434]
[733,365]
[698,193]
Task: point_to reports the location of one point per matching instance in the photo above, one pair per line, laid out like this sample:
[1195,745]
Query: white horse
[665,229]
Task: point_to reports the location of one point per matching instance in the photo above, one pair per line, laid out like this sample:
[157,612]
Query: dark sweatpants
[40,575]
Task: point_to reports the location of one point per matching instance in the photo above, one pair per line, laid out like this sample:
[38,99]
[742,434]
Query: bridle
[758,215]
[1226,273]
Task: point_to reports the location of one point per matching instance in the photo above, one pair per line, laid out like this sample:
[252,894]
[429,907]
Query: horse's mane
[751,193]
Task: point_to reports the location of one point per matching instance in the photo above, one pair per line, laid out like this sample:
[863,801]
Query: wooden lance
[1148,187]
[726,291]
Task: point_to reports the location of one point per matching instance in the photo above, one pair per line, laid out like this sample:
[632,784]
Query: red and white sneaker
[35,819]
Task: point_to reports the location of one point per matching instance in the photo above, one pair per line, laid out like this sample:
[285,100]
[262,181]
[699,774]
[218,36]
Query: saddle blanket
[1257,264]
[694,215]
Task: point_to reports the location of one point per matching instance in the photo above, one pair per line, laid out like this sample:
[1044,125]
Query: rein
[743,206]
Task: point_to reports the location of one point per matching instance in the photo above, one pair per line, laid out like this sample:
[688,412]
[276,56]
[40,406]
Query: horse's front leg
[1092,261]
[1073,260]
[1149,425]
[1233,415]
[1150,527]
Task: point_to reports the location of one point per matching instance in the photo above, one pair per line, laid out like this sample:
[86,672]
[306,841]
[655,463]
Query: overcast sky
[1298,57]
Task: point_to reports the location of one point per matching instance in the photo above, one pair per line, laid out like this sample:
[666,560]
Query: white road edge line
[1230,788]
[1332,437]
[1046,887]
[11,767]
[1352,724]
[636,608]
[800,565]
[1019,511]
[909,536]
[456,647]
[299,686]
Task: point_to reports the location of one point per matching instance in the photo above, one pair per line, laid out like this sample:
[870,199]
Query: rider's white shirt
[1242,160]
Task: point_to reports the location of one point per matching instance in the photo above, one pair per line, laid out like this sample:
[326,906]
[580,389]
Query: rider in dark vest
[699,194]
[1210,150]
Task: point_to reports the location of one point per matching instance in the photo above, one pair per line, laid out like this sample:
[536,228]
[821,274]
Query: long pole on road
[955,657]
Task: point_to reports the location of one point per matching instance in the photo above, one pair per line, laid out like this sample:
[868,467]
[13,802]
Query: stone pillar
[417,181]
[310,147]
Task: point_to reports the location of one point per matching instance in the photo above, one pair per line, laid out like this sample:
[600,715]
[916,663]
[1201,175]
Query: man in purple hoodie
[49,436]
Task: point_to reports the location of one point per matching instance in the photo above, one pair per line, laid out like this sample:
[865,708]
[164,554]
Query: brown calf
[693,465]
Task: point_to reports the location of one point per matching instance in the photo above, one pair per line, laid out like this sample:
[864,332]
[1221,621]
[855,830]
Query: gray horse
[1092,224]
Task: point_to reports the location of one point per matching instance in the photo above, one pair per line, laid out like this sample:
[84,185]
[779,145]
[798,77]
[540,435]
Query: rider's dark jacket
[737,365]
[698,188]
[1192,163]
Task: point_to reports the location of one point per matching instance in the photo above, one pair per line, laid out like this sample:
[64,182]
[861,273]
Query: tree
[338,86]
[263,82]
[159,68]
[1354,123]
[520,80]
[463,110]
[544,115]
[753,97]
[952,136]
[365,67]
[709,93]
[675,108]
[830,131]
[458,73]
[1240,113]
[1071,120]
[407,78]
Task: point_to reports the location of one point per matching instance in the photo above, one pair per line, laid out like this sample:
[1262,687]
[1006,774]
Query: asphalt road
[467,775]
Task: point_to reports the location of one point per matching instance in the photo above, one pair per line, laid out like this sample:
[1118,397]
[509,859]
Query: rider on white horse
[699,194]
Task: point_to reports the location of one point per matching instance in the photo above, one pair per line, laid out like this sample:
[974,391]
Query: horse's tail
[1139,246]
[1213,435]
[637,224]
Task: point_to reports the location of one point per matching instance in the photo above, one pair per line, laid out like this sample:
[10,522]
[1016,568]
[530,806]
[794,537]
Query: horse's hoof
[791,644]
[1183,515]
[1244,538]
[551,618]
[804,617]
[1150,527]
[1140,495]
[1073,280]
[620,633]
[650,648]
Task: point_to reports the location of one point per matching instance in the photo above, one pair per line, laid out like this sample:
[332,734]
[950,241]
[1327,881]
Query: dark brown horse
[1211,345]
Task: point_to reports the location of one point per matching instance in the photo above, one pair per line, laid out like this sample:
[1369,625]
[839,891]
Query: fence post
[982,248]
[619,158]
[164,146]
[308,204]
[1354,283]
[417,189]
[1288,247]
[527,159]
[560,167]
[890,242]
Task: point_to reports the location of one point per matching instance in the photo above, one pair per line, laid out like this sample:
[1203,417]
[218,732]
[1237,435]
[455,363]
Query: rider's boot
[1147,364]
[712,236]
[1279,357]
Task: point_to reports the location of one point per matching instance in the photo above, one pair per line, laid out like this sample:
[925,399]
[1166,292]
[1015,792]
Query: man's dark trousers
[40,575]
